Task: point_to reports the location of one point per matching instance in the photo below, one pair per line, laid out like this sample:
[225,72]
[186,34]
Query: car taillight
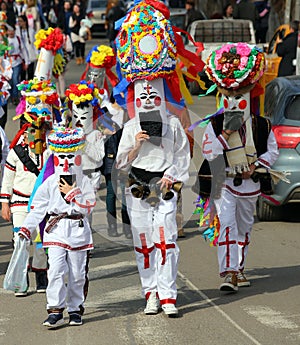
[287,137]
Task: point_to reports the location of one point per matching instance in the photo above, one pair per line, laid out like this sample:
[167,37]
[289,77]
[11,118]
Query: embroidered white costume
[67,234]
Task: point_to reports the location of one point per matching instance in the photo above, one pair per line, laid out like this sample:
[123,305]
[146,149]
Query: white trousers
[236,221]
[39,259]
[63,263]
[154,232]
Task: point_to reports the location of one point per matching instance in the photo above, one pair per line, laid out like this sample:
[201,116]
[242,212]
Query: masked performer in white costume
[154,149]
[24,162]
[67,197]
[235,144]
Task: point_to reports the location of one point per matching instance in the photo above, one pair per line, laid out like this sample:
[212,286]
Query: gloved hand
[233,120]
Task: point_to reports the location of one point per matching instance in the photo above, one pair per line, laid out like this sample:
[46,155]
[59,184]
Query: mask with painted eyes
[67,165]
[82,117]
[150,108]
[36,136]
[238,105]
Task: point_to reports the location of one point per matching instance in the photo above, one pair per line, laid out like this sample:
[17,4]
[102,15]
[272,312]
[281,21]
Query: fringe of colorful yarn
[208,218]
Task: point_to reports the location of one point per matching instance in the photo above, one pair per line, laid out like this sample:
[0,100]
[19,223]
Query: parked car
[282,106]
[97,10]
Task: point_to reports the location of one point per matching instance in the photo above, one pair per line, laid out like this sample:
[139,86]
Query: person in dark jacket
[246,9]
[287,49]
[192,14]
[114,14]
[110,174]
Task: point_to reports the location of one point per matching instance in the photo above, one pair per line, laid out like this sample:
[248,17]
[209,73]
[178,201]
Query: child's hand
[64,187]
[6,214]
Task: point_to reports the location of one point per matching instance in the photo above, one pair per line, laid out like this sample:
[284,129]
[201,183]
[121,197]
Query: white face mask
[150,104]
[239,103]
[82,117]
[68,163]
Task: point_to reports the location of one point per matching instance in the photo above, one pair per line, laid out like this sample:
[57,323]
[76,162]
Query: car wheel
[266,212]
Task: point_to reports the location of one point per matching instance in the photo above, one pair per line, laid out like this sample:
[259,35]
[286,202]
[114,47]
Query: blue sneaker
[75,319]
[54,320]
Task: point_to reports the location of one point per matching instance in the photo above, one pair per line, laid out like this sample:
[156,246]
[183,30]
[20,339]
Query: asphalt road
[267,313]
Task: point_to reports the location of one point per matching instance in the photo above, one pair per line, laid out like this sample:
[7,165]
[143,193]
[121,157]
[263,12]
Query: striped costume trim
[10,166]
[66,246]
[255,193]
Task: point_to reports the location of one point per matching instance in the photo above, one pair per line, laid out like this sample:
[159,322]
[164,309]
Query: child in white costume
[67,234]
[24,162]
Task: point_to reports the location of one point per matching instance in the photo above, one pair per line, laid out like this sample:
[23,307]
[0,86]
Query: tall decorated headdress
[84,99]
[235,66]
[100,61]
[39,97]
[63,139]
[49,43]
[148,48]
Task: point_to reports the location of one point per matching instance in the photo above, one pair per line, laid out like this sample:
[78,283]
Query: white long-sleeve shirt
[213,146]
[172,156]
[67,233]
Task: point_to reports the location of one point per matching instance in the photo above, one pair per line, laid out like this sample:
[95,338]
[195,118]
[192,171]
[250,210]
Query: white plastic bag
[16,274]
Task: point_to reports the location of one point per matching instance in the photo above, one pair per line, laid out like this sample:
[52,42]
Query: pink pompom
[21,107]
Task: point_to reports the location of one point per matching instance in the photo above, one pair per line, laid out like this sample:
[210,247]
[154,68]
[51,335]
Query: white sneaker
[230,283]
[152,305]
[242,281]
[169,309]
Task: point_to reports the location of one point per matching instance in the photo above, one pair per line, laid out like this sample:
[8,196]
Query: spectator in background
[8,8]
[19,7]
[27,36]
[78,42]
[262,22]
[192,14]
[114,14]
[32,15]
[287,49]
[246,9]
[56,8]
[16,55]
[228,11]
[64,18]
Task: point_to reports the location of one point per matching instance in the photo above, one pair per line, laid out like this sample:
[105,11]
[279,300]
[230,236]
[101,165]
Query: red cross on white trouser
[227,243]
[243,249]
[144,250]
[162,245]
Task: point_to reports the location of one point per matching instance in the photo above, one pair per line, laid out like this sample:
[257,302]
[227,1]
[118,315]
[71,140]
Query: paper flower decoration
[50,39]
[35,91]
[146,46]
[63,139]
[235,65]
[83,93]
[101,56]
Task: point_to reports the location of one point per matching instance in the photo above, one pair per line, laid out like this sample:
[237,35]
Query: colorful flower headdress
[235,65]
[101,57]
[83,93]
[35,89]
[146,46]
[149,47]
[63,139]
[50,39]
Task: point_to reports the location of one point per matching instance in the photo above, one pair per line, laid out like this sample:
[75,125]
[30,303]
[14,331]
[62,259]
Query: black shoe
[54,320]
[75,319]
[41,281]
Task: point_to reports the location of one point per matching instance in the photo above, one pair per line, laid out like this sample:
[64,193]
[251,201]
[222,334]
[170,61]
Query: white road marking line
[270,317]
[218,309]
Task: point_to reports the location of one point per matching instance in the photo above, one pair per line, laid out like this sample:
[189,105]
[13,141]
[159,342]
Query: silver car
[282,106]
